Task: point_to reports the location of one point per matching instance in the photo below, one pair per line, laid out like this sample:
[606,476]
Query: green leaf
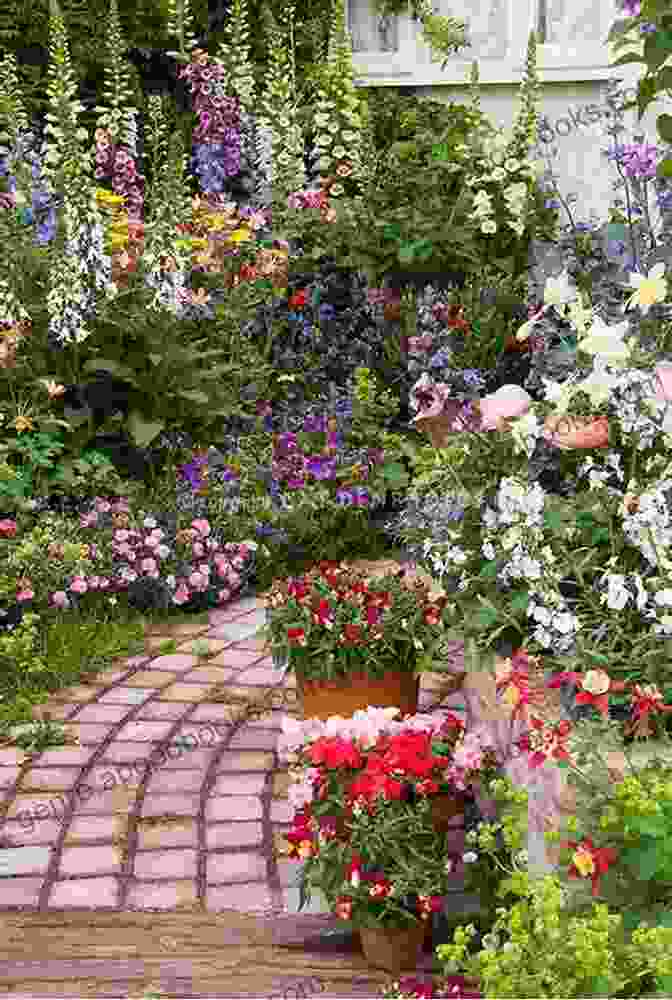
[195,395]
[113,367]
[649,826]
[630,57]
[519,600]
[657,47]
[643,860]
[664,126]
[392,231]
[487,616]
[489,570]
[142,431]
[156,359]
[664,169]
[664,984]
[394,472]
[600,986]
[553,520]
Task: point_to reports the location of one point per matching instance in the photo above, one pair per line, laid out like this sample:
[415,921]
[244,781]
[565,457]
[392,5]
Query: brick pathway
[171,799]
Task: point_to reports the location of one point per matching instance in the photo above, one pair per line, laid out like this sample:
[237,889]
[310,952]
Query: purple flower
[320,467]
[440,359]
[315,424]
[355,496]
[296,483]
[631,8]
[647,29]
[326,312]
[286,443]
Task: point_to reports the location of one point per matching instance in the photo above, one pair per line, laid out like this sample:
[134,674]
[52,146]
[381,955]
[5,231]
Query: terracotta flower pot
[577,432]
[444,808]
[393,949]
[344,696]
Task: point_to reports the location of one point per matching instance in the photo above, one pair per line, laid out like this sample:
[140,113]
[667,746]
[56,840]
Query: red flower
[323,613]
[296,636]
[352,634]
[380,599]
[589,861]
[299,299]
[595,687]
[298,589]
[343,907]
[334,753]
[545,741]
[7,528]
[432,615]
[373,615]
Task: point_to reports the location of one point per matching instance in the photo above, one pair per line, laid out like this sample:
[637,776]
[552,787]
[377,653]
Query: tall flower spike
[525,126]
[234,56]
[179,26]
[280,114]
[68,171]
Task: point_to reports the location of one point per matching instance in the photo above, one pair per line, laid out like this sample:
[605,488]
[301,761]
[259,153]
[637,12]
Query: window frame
[412,65]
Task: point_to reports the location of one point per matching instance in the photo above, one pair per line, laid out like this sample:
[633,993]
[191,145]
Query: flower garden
[365,358]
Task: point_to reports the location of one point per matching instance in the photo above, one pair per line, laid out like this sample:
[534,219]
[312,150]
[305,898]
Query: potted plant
[354,640]
[371,785]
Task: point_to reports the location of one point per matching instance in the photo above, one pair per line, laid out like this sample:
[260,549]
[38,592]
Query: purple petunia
[320,466]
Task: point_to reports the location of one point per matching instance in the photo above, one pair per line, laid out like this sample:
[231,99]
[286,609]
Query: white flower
[469,857]
[648,290]
[606,341]
[559,291]
[489,226]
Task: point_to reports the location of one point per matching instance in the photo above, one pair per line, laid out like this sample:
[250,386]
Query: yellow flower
[648,290]
[107,197]
[583,862]
[240,235]
[24,424]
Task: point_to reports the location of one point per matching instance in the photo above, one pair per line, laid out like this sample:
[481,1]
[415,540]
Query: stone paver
[175,864]
[231,835]
[87,893]
[238,867]
[161,895]
[227,807]
[99,860]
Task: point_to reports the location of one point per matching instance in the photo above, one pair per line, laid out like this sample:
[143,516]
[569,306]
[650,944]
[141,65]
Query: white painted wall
[574,65]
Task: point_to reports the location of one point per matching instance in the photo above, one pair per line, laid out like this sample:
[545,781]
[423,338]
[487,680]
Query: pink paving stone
[255,739]
[224,808]
[144,731]
[249,897]
[101,859]
[50,778]
[178,805]
[84,892]
[281,811]
[184,782]
[231,762]
[273,720]
[161,711]
[235,868]
[174,662]
[67,756]
[90,733]
[123,752]
[62,711]
[204,676]
[211,711]
[120,695]
[165,864]
[8,776]
[229,835]
[266,676]
[187,760]
[155,895]
[239,784]
[103,713]
[20,891]
[171,836]
[104,777]
[11,758]
[37,831]
[93,828]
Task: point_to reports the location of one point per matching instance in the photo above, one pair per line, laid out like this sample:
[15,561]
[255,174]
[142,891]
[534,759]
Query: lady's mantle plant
[334,621]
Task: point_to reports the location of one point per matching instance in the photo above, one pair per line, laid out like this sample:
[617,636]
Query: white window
[571,35]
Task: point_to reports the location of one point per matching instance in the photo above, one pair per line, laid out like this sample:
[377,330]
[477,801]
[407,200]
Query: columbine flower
[589,861]
[543,741]
[649,290]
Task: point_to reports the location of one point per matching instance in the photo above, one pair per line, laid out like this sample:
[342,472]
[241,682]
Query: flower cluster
[334,620]
[368,771]
[179,564]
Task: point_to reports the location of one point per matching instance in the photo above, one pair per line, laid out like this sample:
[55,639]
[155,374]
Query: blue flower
[326,312]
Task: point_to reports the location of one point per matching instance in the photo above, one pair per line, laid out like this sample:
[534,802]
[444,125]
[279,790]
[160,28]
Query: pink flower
[181,595]
[25,595]
[103,506]
[7,528]
[148,566]
[508,402]
[233,578]
[94,583]
[202,526]
[418,344]
[60,599]
[577,432]
[664,381]
[121,535]
[79,585]
[104,583]
[88,520]
[197,581]
[223,595]
[198,550]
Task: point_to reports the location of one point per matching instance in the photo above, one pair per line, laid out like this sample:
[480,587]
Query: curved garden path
[172,802]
